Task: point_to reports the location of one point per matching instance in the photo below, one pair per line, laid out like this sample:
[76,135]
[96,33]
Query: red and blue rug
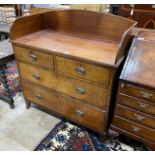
[70,137]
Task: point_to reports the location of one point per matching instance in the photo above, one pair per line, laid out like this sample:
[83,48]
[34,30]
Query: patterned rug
[12,79]
[69,137]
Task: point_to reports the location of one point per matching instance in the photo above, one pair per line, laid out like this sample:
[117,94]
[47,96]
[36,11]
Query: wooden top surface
[146,34]
[140,65]
[100,51]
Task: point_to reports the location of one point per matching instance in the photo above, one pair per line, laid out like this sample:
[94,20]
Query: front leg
[28,104]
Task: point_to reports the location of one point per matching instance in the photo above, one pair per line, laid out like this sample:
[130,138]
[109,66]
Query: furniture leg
[4,82]
[28,104]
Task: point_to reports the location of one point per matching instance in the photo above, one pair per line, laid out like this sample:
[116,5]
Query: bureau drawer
[85,114]
[140,105]
[37,75]
[137,92]
[134,128]
[34,57]
[83,70]
[92,94]
[136,116]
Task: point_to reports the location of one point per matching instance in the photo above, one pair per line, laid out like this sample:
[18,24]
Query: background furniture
[67,66]
[144,14]
[4,31]
[6,55]
[135,108]
[92,7]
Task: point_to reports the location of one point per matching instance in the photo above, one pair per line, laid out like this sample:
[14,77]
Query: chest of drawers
[135,108]
[68,60]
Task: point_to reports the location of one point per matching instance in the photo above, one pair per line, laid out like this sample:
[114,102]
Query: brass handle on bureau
[143,105]
[80,90]
[38,96]
[33,57]
[79,113]
[80,70]
[138,117]
[136,129]
[146,94]
[36,76]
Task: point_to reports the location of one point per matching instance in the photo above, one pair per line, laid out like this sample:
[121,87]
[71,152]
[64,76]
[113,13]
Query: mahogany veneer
[68,59]
[135,108]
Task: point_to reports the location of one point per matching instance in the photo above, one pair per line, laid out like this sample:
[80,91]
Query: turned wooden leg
[6,86]
[12,106]
[28,104]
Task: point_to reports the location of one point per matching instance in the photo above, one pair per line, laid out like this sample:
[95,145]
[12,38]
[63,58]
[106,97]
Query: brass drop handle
[80,90]
[138,117]
[33,57]
[36,76]
[79,113]
[38,96]
[143,105]
[146,94]
[136,129]
[80,70]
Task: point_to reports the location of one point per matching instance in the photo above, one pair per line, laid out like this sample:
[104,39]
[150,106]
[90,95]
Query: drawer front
[84,114]
[140,105]
[136,116]
[34,57]
[134,128]
[37,75]
[137,92]
[92,94]
[83,70]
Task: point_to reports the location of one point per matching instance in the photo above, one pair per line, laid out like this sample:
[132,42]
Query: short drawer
[95,95]
[135,115]
[137,92]
[137,104]
[37,75]
[78,112]
[134,128]
[34,57]
[83,70]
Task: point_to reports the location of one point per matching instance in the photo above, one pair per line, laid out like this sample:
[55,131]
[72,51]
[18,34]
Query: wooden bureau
[135,108]
[68,59]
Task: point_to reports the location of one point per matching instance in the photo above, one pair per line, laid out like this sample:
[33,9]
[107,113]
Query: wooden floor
[18,126]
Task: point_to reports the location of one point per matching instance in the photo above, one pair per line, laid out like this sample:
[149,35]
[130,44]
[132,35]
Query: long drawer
[34,57]
[135,115]
[137,104]
[92,94]
[134,128]
[84,91]
[82,113]
[138,92]
[83,70]
[37,75]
